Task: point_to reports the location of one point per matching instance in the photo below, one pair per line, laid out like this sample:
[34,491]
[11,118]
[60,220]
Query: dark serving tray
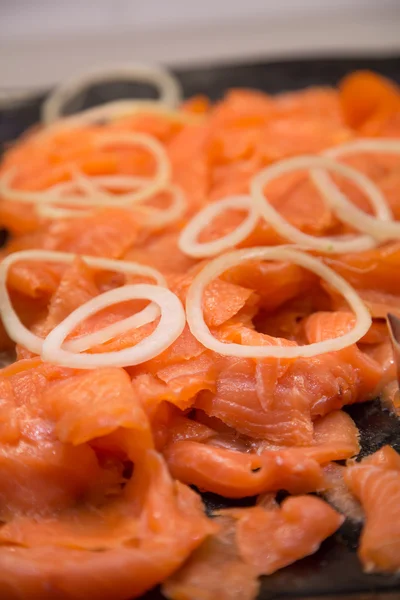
[334,572]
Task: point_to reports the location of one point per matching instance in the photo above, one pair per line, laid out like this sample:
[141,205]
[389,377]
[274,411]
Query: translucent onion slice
[118,109]
[337,244]
[91,186]
[156,218]
[167,85]
[169,328]
[188,239]
[155,184]
[378,146]
[21,334]
[97,198]
[7,192]
[198,327]
[382,228]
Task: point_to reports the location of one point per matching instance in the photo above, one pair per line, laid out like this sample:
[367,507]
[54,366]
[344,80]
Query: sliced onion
[155,184]
[337,244]
[116,182]
[79,182]
[118,109]
[169,328]
[378,146]
[382,228]
[7,192]
[188,239]
[21,334]
[156,218]
[167,85]
[91,185]
[198,327]
[147,187]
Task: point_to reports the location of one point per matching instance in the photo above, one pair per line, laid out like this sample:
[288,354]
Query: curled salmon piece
[96,404]
[234,466]
[177,375]
[46,462]
[120,551]
[38,472]
[364,95]
[269,540]
[236,474]
[375,481]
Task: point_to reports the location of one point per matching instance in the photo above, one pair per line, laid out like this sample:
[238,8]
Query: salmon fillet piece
[375,481]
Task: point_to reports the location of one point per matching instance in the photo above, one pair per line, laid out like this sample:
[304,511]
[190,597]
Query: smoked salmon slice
[271,539]
[253,541]
[375,481]
[39,560]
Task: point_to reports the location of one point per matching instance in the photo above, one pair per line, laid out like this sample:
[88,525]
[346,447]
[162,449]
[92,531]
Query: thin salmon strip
[376,483]
[364,94]
[271,539]
[236,475]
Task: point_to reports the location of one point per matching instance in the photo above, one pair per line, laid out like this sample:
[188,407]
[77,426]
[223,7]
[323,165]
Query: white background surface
[43,41]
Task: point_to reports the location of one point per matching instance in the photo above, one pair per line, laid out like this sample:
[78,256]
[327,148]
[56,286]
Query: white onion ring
[188,238]
[91,185]
[118,109]
[21,334]
[9,193]
[378,146]
[324,244]
[97,198]
[198,327]
[156,218]
[377,227]
[171,325]
[156,183]
[167,85]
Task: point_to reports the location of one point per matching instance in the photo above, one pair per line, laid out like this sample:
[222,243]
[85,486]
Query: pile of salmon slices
[190,295]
